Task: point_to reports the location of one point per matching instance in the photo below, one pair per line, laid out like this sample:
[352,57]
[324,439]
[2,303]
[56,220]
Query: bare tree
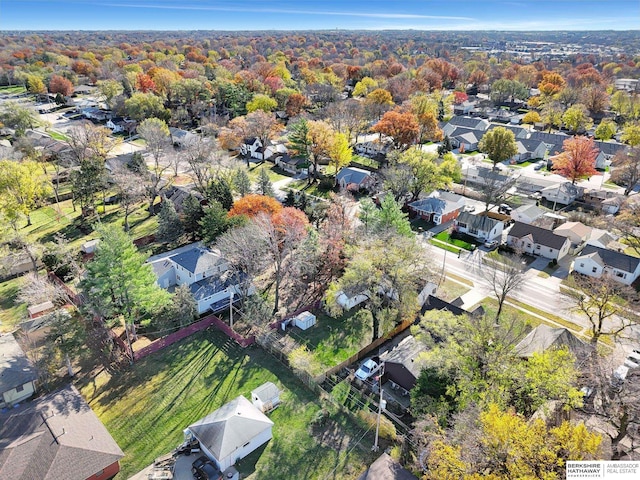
[625,169]
[89,141]
[38,289]
[601,300]
[131,190]
[627,222]
[347,117]
[203,157]
[505,276]
[156,133]
[494,187]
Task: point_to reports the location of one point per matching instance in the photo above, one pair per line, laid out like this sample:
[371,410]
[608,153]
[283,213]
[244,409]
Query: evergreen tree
[184,306]
[192,213]
[290,199]
[241,182]
[219,190]
[445,147]
[264,186]
[169,226]
[214,222]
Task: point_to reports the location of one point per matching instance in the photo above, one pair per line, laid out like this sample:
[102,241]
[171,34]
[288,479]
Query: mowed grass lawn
[146,409]
[11,312]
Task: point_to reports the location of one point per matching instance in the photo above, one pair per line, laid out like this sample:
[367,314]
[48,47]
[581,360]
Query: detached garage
[232,432]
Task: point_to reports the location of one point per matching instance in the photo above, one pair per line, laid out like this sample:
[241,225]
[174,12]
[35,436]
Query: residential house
[439,207]
[295,165]
[596,261]
[204,271]
[483,176]
[481,227]
[553,141]
[519,133]
[470,123]
[386,468]
[627,84]
[57,437]
[120,125]
[464,108]
[373,149]
[97,114]
[543,338]
[529,150]
[606,152]
[604,200]
[402,364]
[577,232]
[466,139]
[180,137]
[600,238]
[231,432]
[526,214]
[538,241]
[17,375]
[177,194]
[563,193]
[250,147]
[352,178]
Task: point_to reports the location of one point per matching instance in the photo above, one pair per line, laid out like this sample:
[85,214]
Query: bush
[370,419]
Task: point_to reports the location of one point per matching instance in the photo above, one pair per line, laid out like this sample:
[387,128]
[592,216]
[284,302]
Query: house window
[582,265]
[473,231]
[620,274]
[463,225]
[551,250]
[178,277]
[528,245]
[594,270]
[537,247]
[19,388]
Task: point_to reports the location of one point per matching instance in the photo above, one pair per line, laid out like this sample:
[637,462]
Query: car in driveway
[204,469]
[491,244]
[367,369]
[539,165]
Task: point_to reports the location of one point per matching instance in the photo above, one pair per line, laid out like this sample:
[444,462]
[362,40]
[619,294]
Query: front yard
[146,408]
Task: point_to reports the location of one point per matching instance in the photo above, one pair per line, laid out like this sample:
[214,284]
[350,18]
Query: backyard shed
[231,432]
[305,320]
[266,397]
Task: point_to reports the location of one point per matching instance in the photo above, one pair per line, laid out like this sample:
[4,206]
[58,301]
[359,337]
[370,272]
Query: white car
[367,369]
[633,360]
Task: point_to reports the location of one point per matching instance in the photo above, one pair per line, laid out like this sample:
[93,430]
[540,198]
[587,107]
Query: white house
[596,261]
[348,302]
[251,147]
[17,375]
[538,241]
[526,214]
[231,432]
[206,273]
[481,227]
[564,193]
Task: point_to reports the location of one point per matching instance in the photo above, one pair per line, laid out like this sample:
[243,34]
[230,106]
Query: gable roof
[230,427]
[601,236]
[468,122]
[56,436]
[479,222]
[525,145]
[386,468]
[402,364]
[215,284]
[15,367]
[554,141]
[469,135]
[519,132]
[544,337]
[352,175]
[566,188]
[531,211]
[197,259]
[438,202]
[613,259]
[540,235]
[610,148]
[435,303]
[579,229]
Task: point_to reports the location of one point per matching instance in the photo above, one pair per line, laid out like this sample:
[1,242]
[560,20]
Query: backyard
[146,408]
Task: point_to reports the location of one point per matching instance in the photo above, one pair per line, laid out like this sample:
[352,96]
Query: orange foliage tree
[402,127]
[60,85]
[252,205]
[577,160]
[551,83]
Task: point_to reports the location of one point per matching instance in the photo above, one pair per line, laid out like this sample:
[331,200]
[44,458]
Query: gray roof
[55,437]
[197,259]
[266,391]
[540,235]
[470,135]
[436,202]
[479,222]
[468,122]
[215,284]
[544,337]
[405,354]
[352,175]
[611,258]
[528,145]
[230,427]
[517,131]
[386,468]
[15,367]
[554,141]
[610,148]
[531,211]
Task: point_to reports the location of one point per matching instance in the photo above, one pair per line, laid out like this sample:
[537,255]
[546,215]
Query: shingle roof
[15,367]
[352,175]
[435,303]
[611,258]
[531,211]
[541,236]
[470,135]
[554,141]
[402,363]
[468,122]
[386,468]
[544,337]
[479,222]
[211,285]
[527,145]
[55,437]
[230,427]
[610,148]
[197,259]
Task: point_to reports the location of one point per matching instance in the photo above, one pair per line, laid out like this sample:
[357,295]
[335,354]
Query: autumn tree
[314,140]
[262,125]
[551,84]
[110,89]
[22,186]
[253,205]
[625,169]
[14,115]
[378,102]
[340,153]
[576,118]
[499,144]
[605,130]
[262,103]
[631,134]
[61,85]
[531,118]
[403,128]
[156,135]
[131,190]
[577,160]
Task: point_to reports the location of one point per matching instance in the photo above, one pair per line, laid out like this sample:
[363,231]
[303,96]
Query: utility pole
[231,307]
[382,404]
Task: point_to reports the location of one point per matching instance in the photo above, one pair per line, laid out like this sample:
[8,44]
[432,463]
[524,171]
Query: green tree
[110,89]
[219,189]
[504,90]
[67,336]
[340,152]
[264,185]
[192,213]
[499,144]
[17,117]
[631,134]
[22,186]
[262,102]
[169,225]
[391,220]
[606,130]
[146,105]
[427,173]
[184,306]
[86,182]
[118,283]
[215,222]
[576,118]
[242,182]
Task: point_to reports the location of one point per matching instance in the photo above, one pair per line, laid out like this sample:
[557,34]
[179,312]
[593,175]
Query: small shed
[266,397]
[90,246]
[40,309]
[305,320]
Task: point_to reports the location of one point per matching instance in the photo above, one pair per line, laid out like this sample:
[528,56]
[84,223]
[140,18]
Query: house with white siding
[17,374]
[481,227]
[538,241]
[596,261]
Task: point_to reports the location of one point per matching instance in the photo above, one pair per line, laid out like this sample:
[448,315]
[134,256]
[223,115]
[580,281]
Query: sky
[523,15]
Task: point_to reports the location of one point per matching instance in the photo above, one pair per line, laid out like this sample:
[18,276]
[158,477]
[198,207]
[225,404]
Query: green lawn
[333,340]
[313,189]
[275,173]
[58,136]
[446,237]
[450,290]
[13,89]
[10,313]
[146,409]
[366,161]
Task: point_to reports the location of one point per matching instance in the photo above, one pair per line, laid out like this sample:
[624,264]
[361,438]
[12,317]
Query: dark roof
[211,285]
[554,141]
[479,222]
[529,144]
[435,303]
[543,338]
[401,364]
[516,130]
[471,135]
[352,175]
[55,437]
[611,258]
[385,468]
[15,367]
[540,235]
[468,122]
[197,259]
[610,148]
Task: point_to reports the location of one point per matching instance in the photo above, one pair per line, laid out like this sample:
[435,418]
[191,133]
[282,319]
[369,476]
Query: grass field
[10,313]
[146,409]
[58,136]
[446,237]
[275,173]
[13,89]
[313,189]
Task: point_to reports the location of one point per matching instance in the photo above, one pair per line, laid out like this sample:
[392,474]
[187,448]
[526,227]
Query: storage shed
[305,320]
[266,397]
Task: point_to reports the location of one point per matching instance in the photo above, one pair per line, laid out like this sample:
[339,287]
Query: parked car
[469,208]
[204,469]
[633,360]
[368,368]
[504,209]
[491,244]
[539,165]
